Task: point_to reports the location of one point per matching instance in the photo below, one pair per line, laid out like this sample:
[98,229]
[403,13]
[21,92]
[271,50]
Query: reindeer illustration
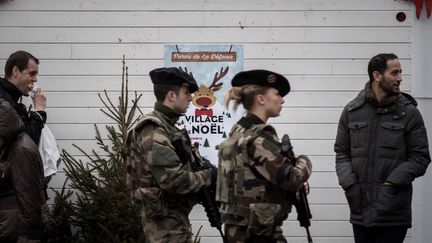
[204,98]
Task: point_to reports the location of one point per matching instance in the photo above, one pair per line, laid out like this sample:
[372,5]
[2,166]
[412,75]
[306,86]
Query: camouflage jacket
[159,179]
[254,179]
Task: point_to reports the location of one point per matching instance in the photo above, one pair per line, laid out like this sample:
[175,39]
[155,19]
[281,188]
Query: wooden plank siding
[322,47]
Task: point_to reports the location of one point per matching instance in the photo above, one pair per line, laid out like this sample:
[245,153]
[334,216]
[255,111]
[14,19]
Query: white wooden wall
[321,46]
[422,91]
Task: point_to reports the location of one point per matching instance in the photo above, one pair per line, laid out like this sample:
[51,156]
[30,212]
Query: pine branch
[114,117]
[111,108]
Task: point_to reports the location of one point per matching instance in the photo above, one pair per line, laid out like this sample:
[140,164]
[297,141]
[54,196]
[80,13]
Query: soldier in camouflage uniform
[255,181]
[163,182]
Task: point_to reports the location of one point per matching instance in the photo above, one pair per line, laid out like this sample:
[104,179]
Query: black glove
[212,170]
[213,173]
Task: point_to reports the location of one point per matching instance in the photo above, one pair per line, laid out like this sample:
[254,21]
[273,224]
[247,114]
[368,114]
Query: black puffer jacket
[22,196]
[33,121]
[379,143]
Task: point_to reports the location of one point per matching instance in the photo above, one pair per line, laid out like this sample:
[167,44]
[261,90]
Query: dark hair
[161,90]
[379,63]
[19,59]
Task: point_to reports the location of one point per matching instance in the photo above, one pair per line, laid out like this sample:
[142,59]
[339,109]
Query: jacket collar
[357,102]
[396,104]
[12,90]
[404,100]
[371,98]
[168,114]
[254,119]
[249,120]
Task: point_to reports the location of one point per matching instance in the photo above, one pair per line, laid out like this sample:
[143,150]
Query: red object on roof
[419,6]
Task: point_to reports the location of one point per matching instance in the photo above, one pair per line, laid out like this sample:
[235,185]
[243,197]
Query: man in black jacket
[21,71]
[23,209]
[381,147]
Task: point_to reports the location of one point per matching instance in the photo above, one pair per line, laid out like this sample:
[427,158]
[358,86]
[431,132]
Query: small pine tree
[101,210]
[206,143]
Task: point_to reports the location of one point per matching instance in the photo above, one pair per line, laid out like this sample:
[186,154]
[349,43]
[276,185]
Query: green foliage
[95,204]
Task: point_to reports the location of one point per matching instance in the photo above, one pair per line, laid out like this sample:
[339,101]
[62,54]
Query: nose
[399,78]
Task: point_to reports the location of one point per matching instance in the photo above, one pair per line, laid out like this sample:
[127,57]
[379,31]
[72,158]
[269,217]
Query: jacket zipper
[371,160]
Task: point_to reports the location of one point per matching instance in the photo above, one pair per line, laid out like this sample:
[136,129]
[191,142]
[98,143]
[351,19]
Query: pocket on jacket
[393,135]
[391,199]
[354,197]
[154,202]
[358,134]
[263,218]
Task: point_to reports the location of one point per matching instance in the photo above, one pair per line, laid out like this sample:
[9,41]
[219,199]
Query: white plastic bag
[49,151]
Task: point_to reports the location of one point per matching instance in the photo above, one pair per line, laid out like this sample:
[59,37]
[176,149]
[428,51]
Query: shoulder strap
[146,119]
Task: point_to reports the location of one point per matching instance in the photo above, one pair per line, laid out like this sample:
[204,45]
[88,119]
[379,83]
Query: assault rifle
[205,195]
[300,199]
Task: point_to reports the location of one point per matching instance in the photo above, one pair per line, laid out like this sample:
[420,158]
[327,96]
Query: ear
[171,95]
[377,76]
[261,99]
[15,70]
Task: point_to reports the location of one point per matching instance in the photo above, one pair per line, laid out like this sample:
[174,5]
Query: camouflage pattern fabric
[160,182]
[255,181]
[240,234]
[173,228]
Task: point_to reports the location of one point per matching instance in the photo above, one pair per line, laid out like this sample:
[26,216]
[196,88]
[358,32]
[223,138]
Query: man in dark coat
[381,147]
[21,71]
[23,211]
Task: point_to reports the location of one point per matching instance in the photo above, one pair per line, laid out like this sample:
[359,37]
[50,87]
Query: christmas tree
[206,143]
[101,208]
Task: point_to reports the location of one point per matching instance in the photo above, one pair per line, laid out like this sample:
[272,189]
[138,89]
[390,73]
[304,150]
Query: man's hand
[39,100]
[306,187]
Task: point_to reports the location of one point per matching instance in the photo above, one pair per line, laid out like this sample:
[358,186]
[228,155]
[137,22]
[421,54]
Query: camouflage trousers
[174,228]
[240,234]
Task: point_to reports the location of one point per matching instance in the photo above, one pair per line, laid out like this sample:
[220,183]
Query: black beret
[173,76]
[263,78]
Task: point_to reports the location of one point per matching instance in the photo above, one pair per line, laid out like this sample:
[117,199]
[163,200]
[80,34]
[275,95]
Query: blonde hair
[244,95]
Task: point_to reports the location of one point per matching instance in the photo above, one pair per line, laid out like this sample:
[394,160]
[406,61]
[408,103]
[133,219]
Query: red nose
[203,101]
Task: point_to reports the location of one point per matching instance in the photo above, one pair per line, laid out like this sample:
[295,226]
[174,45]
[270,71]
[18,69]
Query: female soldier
[255,179]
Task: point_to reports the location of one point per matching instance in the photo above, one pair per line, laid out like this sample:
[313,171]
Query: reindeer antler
[218,76]
[186,71]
